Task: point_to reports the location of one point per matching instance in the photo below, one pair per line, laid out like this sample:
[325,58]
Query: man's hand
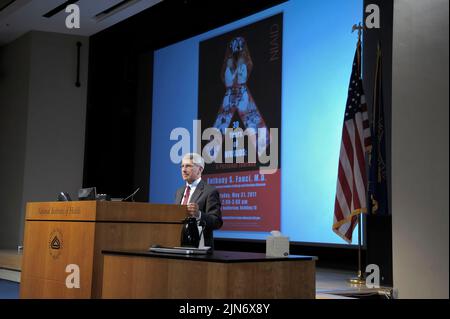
[192,209]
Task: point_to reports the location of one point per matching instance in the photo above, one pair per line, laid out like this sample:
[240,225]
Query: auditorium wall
[420,149]
[42,124]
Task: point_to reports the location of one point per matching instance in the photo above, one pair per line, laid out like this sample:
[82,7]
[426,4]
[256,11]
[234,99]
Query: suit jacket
[208,200]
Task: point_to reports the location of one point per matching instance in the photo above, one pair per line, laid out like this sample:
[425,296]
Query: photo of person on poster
[238,66]
[239,95]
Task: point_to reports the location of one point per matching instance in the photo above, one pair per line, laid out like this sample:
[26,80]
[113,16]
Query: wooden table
[223,275]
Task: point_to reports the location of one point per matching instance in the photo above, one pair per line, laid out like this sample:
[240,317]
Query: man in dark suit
[202,200]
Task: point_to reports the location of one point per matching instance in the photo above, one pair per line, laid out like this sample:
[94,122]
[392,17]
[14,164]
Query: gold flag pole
[360,279]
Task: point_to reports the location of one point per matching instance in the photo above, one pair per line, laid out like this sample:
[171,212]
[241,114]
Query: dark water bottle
[190,236]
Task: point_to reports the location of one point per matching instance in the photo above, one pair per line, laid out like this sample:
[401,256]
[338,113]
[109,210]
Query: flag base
[359,280]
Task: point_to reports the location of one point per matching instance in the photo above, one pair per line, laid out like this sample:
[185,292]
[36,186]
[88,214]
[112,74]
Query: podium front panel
[62,236]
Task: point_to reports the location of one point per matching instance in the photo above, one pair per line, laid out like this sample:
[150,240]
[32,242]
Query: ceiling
[17,17]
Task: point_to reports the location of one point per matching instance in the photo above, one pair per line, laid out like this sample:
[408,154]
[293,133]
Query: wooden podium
[60,236]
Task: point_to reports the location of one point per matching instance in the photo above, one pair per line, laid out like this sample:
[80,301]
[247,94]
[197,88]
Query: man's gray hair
[196,159]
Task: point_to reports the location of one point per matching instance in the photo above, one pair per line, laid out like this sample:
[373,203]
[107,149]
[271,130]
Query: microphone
[64,197]
[131,196]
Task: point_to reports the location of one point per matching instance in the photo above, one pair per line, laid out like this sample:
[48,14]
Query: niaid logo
[55,243]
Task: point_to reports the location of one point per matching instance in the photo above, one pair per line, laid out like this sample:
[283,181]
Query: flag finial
[358,27]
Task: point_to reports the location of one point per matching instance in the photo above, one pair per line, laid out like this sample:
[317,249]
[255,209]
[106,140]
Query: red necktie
[186,195]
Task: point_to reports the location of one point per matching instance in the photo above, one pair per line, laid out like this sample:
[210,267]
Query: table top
[220,256]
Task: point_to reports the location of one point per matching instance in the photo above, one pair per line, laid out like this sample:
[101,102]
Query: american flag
[351,182]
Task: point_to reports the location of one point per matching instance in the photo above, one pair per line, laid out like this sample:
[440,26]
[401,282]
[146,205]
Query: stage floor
[330,283]
[334,284]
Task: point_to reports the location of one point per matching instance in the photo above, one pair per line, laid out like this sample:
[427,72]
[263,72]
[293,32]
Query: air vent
[59,8]
[5,3]
[114,9]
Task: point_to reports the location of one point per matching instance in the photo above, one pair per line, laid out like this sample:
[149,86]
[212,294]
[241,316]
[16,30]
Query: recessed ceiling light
[59,8]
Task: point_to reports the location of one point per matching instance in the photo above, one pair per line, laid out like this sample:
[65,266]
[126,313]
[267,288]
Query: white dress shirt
[193,186]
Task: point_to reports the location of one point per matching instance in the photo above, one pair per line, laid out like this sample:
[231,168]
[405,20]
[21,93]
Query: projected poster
[240,98]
